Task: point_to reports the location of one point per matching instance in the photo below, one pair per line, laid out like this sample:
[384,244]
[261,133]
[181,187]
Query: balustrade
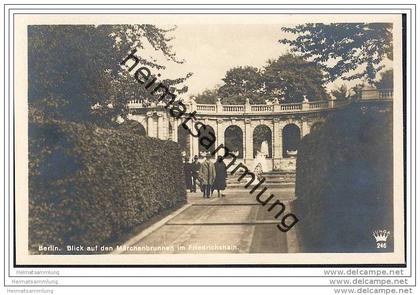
[233,108]
[276,108]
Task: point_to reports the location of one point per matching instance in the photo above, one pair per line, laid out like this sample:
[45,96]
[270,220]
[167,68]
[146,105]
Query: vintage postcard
[209,139]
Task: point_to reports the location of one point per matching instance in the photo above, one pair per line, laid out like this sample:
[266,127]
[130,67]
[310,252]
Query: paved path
[236,223]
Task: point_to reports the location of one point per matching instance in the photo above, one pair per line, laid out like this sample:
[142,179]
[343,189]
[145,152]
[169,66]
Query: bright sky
[209,50]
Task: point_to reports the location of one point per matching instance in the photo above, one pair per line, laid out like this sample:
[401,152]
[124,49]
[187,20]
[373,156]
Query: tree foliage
[208,96]
[291,78]
[386,81]
[74,67]
[91,185]
[344,50]
[347,163]
[341,93]
[287,79]
[241,83]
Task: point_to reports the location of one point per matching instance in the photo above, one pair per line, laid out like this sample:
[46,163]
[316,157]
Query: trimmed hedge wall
[89,185]
[344,181]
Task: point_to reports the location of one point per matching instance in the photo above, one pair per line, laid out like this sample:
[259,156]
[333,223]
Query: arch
[316,125]
[291,140]
[184,140]
[262,141]
[234,140]
[207,138]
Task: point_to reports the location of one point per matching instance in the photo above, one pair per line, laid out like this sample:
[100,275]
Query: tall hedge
[344,181]
[89,185]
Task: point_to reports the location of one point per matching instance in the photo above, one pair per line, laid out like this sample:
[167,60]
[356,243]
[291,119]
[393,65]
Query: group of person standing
[208,175]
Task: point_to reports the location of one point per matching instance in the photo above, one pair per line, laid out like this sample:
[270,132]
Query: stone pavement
[236,223]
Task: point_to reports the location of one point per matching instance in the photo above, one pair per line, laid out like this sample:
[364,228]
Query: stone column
[247,107]
[277,144]
[276,106]
[194,140]
[175,130]
[305,127]
[305,105]
[248,146]
[220,137]
[331,102]
[219,106]
[160,127]
[150,125]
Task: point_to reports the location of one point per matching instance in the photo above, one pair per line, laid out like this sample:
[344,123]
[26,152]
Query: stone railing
[247,108]
[211,108]
[233,108]
[293,106]
[262,108]
[274,108]
[377,94]
[135,104]
[319,105]
[386,93]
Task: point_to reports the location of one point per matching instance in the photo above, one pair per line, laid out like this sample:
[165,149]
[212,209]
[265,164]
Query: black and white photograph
[196,147]
[210,139]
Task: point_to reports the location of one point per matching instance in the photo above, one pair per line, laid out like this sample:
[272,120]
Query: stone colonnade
[158,123]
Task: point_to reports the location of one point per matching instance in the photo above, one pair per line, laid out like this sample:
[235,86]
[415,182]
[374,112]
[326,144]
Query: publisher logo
[380,237]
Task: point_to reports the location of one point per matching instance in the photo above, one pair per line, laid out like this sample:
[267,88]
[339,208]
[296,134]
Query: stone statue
[260,159]
[264,148]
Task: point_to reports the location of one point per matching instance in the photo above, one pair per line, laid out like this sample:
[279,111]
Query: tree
[241,83]
[386,81]
[291,78]
[208,96]
[344,50]
[341,93]
[75,67]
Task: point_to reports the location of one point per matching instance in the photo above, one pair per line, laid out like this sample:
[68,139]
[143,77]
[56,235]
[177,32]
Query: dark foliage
[72,68]
[292,78]
[344,182]
[241,83]
[386,81]
[90,185]
[344,50]
[287,79]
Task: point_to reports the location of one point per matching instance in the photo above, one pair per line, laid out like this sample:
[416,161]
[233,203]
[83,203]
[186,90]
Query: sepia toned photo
[209,139]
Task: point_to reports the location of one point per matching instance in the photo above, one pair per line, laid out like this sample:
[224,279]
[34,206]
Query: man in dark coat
[221,174]
[207,175]
[195,168]
[187,173]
